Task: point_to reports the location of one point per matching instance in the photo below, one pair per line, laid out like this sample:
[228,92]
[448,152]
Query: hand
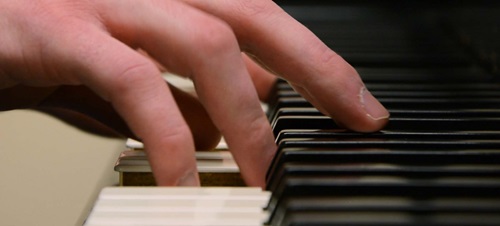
[53,46]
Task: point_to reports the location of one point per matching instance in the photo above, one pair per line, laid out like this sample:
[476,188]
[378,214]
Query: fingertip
[372,125]
[190,179]
[376,115]
[368,124]
[373,108]
[369,115]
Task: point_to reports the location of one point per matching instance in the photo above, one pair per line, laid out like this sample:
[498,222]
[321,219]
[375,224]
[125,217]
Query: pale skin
[78,60]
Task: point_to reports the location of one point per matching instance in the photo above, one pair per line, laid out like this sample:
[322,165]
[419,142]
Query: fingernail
[191,179]
[374,109]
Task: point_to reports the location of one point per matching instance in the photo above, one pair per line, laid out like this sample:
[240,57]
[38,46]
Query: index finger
[296,54]
[134,87]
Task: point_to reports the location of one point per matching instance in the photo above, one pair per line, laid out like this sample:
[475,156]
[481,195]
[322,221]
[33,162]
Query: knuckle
[136,72]
[215,37]
[324,60]
[254,7]
[326,55]
[176,132]
[134,76]
[139,68]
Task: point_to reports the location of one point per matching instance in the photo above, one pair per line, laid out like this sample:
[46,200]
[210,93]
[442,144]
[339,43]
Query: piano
[435,66]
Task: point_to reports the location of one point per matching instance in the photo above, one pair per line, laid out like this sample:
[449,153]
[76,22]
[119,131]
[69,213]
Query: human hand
[49,44]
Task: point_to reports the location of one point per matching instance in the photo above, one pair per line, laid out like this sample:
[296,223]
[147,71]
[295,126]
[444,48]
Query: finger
[262,79]
[296,54]
[206,50]
[134,87]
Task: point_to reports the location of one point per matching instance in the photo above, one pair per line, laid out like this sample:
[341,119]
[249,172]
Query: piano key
[332,218]
[216,168]
[183,193]
[424,75]
[357,156]
[137,145]
[423,86]
[374,186]
[399,113]
[179,206]
[412,103]
[355,169]
[391,143]
[387,135]
[474,99]
[293,209]
[412,124]
[180,219]
[418,93]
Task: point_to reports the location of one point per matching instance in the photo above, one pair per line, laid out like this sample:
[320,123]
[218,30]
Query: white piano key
[206,155]
[213,161]
[137,145]
[174,221]
[233,205]
[183,83]
[133,144]
[180,206]
[175,218]
[180,193]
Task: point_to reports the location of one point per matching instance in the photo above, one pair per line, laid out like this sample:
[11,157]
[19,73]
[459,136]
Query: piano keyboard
[437,162]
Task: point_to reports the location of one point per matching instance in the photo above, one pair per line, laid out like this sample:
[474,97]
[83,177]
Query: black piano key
[354,169]
[426,75]
[387,135]
[432,155]
[295,111]
[392,204]
[378,218]
[407,57]
[400,113]
[441,103]
[389,186]
[390,143]
[302,122]
[368,186]
[418,93]
[436,86]
[421,86]
[413,103]
[406,103]
[412,124]
[292,210]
